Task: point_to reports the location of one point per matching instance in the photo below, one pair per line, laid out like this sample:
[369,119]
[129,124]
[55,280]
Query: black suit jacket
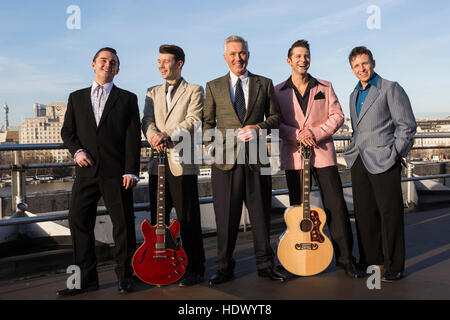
[114,144]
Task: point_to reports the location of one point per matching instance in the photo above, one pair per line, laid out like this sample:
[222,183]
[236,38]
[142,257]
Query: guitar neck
[306,188]
[161,200]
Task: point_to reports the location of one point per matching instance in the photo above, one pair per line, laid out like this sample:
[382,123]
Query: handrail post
[18,190]
[410,184]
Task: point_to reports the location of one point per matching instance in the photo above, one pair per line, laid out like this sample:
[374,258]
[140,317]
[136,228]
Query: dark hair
[357,51]
[113,51]
[299,43]
[173,49]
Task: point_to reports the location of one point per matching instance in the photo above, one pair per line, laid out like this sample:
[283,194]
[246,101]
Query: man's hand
[129,182]
[306,137]
[248,133]
[159,141]
[83,159]
[158,138]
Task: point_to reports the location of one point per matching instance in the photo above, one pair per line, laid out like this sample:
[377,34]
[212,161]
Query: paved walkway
[427,274]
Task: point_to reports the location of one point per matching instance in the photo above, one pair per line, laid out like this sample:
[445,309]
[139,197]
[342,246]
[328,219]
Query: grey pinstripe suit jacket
[385,128]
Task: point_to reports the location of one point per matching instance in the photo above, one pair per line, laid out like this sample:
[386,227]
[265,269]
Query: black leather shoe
[271,274]
[221,276]
[191,279]
[73,292]
[391,276]
[126,285]
[353,271]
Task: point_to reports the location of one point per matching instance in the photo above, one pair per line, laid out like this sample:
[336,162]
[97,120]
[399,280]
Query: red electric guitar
[160,260]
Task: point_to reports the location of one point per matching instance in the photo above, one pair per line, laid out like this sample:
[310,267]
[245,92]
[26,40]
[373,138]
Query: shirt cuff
[132,176]
[79,150]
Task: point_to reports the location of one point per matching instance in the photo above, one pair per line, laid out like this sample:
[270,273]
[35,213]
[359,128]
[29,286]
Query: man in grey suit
[383,130]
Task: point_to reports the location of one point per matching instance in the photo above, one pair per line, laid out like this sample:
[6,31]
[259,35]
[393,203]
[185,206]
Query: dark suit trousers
[181,192]
[378,206]
[230,189]
[86,193]
[335,208]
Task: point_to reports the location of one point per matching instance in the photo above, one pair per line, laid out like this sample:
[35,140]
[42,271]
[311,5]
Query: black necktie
[239,101]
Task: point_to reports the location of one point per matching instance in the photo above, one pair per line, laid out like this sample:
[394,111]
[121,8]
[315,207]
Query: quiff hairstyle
[358,51]
[299,43]
[113,51]
[173,49]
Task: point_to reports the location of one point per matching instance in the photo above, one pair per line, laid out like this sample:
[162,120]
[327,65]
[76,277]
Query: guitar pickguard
[316,236]
[171,243]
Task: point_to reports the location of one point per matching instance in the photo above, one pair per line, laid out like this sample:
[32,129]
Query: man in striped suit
[383,130]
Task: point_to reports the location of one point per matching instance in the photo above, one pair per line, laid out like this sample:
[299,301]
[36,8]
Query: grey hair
[235,39]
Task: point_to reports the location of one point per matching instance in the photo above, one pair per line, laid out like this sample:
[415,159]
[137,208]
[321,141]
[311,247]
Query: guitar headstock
[161,156]
[304,150]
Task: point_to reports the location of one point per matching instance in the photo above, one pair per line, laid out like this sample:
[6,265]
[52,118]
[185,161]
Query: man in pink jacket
[311,113]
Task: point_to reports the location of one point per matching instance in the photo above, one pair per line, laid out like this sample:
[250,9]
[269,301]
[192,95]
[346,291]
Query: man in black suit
[245,103]
[102,131]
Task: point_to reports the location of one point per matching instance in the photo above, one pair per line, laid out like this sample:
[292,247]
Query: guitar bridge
[160,245]
[306,246]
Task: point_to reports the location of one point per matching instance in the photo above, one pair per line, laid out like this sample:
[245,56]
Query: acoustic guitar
[303,249]
[160,260]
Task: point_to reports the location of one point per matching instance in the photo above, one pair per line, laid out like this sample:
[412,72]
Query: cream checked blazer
[181,118]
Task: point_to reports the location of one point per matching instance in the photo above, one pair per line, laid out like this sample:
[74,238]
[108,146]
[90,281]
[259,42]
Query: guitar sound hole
[306,225]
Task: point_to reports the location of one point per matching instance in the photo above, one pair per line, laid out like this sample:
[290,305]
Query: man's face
[105,66]
[363,67]
[236,57]
[170,69]
[299,60]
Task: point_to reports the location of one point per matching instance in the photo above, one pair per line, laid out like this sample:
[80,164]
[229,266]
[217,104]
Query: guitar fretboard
[306,188]
[161,201]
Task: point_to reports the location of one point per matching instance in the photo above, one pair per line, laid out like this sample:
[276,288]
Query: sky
[46,50]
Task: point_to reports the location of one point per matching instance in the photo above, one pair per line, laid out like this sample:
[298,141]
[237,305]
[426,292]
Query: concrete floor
[427,275]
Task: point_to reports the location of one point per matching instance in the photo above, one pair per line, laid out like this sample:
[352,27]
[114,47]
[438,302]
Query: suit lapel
[225,92]
[353,97]
[178,93]
[368,102]
[87,103]
[253,91]
[113,96]
[312,93]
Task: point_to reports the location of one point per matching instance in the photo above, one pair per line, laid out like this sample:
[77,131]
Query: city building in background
[45,127]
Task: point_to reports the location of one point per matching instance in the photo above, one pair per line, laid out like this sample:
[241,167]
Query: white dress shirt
[244,83]
[98,101]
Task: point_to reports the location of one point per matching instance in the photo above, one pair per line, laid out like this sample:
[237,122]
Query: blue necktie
[239,101]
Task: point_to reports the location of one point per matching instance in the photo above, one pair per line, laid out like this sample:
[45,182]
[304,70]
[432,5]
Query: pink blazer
[323,117]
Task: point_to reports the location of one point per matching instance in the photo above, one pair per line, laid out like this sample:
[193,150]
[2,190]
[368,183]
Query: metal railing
[18,169]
